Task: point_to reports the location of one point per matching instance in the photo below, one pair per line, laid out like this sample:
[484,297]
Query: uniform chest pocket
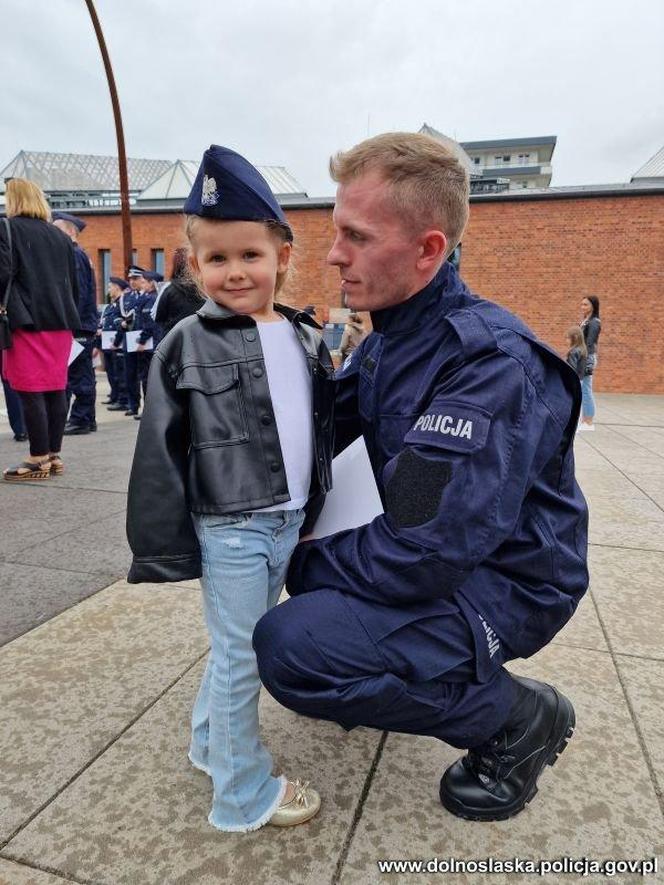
[217,413]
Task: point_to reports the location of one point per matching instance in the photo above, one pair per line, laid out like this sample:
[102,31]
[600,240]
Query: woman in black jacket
[180,297]
[39,261]
[592,327]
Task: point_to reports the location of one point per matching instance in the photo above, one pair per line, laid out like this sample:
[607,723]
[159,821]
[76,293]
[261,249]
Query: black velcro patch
[413,492]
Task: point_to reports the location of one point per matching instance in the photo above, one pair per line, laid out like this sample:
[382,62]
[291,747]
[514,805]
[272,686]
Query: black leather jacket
[208,441]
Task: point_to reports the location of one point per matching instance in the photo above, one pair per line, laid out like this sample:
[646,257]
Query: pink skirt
[37,361]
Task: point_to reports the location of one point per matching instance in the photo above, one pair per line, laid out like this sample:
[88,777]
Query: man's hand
[306,538]
[140,348]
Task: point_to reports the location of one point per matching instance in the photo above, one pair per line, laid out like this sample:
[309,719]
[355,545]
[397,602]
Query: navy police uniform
[480,556]
[148,328]
[130,303]
[81,381]
[114,359]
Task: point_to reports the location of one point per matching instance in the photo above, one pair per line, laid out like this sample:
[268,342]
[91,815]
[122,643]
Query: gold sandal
[27,470]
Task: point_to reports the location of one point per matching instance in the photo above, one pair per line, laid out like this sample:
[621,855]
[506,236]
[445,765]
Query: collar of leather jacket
[213,311]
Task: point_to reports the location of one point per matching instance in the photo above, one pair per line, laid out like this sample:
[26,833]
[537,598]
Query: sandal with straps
[27,470]
[56,464]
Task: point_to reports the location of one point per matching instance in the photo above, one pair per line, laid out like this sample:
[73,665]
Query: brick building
[538,254]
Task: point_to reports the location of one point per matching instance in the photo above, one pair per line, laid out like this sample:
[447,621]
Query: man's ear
[432,248]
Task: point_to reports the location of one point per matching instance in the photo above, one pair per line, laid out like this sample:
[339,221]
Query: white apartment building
[525,162]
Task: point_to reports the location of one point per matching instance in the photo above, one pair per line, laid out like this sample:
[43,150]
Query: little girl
[234,441]
[577,353]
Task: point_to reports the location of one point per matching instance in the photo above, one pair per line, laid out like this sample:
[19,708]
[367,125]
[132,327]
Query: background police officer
[129,302]
[81,381]
[150,333]
[113,356]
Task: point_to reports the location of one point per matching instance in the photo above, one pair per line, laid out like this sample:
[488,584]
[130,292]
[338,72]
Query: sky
[288,83]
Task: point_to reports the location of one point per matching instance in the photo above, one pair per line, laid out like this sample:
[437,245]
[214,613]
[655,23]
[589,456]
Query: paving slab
[31,595]
[100,548]
[71,686]
[644,681]
[607,482]
[626,522]
[17,874]
[630,409]
[139,814]
[627,589]
[598,801]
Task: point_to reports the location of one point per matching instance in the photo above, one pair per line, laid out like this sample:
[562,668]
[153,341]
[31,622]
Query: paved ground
[97,679]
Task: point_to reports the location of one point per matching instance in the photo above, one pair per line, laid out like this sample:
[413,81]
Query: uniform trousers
[81,383]
[131,381]
[14,409]
[144,360]
[330,656]
[114,366]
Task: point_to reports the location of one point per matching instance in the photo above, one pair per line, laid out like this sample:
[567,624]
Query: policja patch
[451,425]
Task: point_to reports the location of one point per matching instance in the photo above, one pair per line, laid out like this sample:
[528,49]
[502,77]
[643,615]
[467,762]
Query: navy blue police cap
[153,275]
[78,223]
[135,271]
[119,282]
[229,188]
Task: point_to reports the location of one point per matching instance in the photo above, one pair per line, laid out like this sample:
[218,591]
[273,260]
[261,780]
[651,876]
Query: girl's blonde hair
[281,232]
[23,197]
[576,339]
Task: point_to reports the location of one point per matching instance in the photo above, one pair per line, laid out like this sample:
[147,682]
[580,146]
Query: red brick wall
[539,258]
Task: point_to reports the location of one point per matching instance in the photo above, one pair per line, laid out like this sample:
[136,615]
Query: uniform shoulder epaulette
[473,331]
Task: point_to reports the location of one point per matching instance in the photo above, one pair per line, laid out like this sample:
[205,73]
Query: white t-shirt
[290,390]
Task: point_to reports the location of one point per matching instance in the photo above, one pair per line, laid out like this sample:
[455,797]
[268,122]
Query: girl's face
[238,262]
[586,307]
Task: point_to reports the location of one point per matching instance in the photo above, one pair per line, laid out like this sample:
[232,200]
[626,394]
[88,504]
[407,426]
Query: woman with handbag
[591,326]
[37,317]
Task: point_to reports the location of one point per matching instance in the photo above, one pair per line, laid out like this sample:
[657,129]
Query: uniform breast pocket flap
[216,405]
[445,424]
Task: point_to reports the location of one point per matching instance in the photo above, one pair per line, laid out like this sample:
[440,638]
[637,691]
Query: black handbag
[5,331]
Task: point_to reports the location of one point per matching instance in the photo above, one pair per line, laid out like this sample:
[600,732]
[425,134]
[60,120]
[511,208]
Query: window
[523,160]
[158,261]
[476,161]
[134,256]
[104,265]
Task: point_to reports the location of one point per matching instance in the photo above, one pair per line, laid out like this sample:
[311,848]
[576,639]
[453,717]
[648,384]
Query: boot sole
[561,734]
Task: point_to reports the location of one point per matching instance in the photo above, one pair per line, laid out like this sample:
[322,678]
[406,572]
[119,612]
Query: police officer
[150,334]
[129,303]
[114,357]
[406,623]
[81,381]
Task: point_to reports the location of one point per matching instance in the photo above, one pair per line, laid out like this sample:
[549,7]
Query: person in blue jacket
[406,623]
[114,357]
[81,380]
[150,333]
[129,306]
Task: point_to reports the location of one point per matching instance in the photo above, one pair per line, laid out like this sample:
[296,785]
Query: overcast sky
[287,82]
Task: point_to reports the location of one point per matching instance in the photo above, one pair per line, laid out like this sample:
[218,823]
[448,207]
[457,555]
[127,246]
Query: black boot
[497,779]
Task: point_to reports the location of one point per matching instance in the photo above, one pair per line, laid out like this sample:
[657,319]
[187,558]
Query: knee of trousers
[285,652]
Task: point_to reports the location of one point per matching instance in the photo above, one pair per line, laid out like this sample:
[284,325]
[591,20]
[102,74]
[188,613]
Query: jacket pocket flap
[207,379]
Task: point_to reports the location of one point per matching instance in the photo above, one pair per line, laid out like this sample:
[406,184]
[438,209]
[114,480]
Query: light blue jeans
[587,398]
[245,557]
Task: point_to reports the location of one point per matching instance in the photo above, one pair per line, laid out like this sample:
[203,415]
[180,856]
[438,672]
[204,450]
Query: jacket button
[274,467]
[266,419]
[250,336]
[257,372]
[316,416]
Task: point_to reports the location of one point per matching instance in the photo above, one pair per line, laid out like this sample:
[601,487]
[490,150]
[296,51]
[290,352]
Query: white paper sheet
[354,499]
[107,339]
[132,342]
[76,348]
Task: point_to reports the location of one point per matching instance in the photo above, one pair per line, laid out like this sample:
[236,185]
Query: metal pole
[122,157]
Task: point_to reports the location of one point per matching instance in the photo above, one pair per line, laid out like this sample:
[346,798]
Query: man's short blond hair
[23,197]
[428,181]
